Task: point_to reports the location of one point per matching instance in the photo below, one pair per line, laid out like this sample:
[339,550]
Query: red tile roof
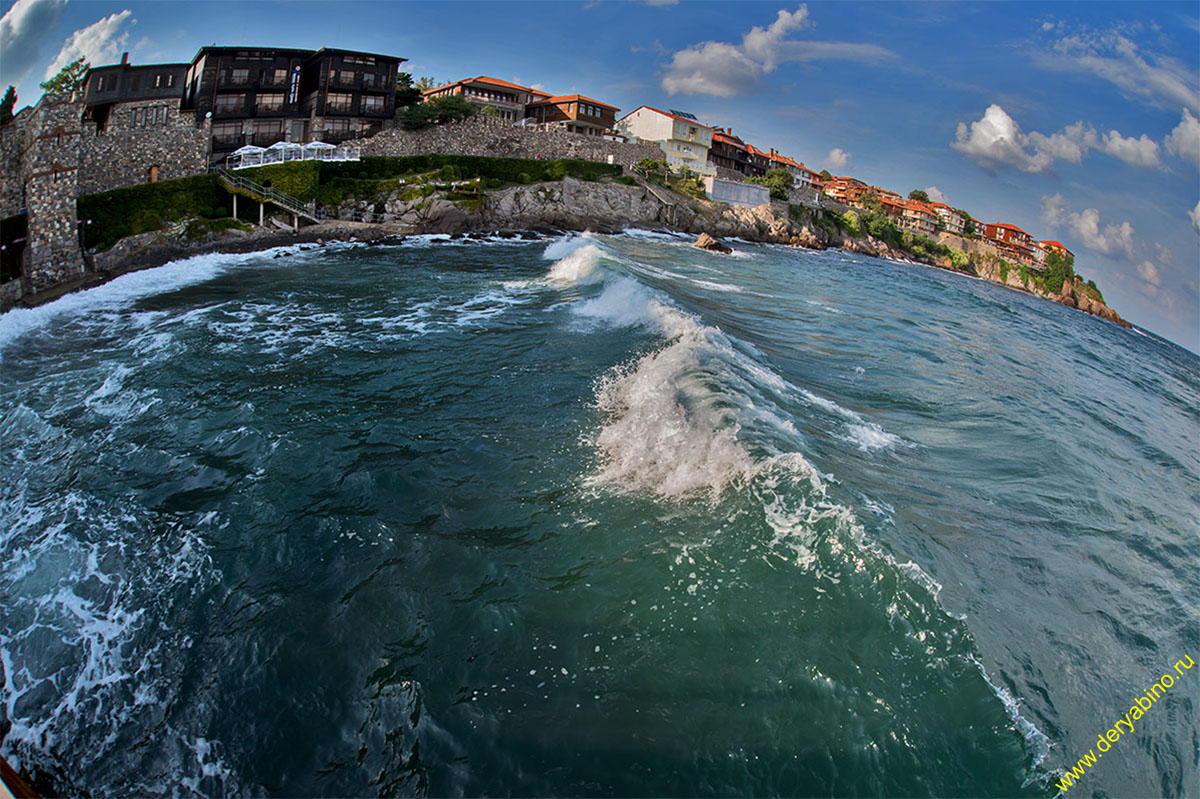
[486,79]
[573,98]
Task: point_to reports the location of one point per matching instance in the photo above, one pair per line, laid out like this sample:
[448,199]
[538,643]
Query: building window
[239,77]
[268,132]
[99,83]
[340,103]
[368,80]
[274,77]
[337,128]
[372,103]
[138,118]
[227,132]
[270,102]
[345,77]
[230,102]
[152,174]
[162,115]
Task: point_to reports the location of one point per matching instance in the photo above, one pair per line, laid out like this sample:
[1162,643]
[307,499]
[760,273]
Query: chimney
[124,59]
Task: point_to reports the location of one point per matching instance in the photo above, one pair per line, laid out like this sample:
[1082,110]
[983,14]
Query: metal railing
[268,194]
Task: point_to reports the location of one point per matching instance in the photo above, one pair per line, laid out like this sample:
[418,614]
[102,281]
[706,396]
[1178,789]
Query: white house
[684,141]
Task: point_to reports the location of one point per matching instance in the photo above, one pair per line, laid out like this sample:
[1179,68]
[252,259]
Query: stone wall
[13,141]
[499,138]
[143,141]
[50,165]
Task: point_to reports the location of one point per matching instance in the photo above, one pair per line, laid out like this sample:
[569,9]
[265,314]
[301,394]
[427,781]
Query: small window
[368,80]
[230,102]
[239,77]
[370,103]
[158,81]
[152,174]
[270,102]
[99,83]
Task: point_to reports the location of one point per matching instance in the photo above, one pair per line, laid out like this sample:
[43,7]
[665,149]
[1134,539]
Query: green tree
[437,111]
[489,111]
[919,194]
[654,166]
[406,93]
[870,201]
[852,223]
[1058,270]
[6,105]
[69,78]
[825,175]
[426,83]
[958,259]
[779,181]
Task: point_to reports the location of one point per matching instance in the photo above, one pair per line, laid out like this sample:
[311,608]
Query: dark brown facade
[266,95]
[730,152]
[573,113]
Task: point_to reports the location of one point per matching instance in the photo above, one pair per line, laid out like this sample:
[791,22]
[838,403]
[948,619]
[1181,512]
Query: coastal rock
[707,242]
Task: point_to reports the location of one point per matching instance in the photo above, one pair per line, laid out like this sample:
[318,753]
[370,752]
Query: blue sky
[1077,122]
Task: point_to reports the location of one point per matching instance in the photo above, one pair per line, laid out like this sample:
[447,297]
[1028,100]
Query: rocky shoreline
[533,212]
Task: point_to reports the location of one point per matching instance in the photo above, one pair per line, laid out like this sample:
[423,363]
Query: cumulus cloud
[1154,78]
[935,194]
[996,141]
[1184,141]
[837,158]
[1194,215]
[1113,239]
[724,69]
[99,43]
[1149,273]
[23,30]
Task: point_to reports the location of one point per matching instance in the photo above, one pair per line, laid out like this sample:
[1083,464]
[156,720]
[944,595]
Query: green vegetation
[7,104]
[959,260]
[825,175]
[112,215]
[919,194]
[1004,267]
[69,78]
[852,223]
[1058,270]
[197,229]
[779,181]
[1093,291]
[407,93]
[330,183]
[627,180]
[438,111]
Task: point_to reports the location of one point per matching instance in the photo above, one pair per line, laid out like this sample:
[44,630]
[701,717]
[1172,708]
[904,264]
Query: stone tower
[51,166]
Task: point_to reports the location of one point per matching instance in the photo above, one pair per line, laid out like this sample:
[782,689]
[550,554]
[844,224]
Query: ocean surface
[598,516]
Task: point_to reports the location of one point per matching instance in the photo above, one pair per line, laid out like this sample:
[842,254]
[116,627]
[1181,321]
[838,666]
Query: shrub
[627,180]
[958,258]
[524,178]
[852,223]
[297,178]
[138,209]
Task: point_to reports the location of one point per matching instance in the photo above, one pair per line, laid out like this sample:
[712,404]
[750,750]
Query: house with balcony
[261,96]
[684,140]
[996,231]
[845,190]
[951,219]
[1054,246]
[573,113]
[729,152]
[508,100]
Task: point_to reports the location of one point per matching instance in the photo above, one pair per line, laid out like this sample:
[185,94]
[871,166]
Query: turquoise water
[591,516]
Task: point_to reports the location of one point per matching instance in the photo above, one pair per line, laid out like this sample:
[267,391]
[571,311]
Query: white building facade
[684,141]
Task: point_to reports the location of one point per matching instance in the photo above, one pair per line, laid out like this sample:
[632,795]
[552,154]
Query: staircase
[239,184]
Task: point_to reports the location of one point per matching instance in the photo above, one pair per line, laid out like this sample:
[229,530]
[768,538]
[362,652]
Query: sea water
[598,515]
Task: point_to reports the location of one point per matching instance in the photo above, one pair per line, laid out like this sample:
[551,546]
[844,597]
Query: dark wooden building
[261,96]
[108,86]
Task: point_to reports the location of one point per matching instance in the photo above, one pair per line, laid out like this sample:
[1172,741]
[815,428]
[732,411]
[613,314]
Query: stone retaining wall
[131,150]
[499,138]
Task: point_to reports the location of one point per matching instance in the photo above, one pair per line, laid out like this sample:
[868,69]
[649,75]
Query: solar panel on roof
[684,114]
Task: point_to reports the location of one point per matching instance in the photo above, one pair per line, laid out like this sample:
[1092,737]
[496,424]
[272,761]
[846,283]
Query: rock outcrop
[707,242]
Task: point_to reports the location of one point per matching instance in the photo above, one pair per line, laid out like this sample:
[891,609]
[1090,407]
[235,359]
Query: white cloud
[1137,152]
[99,43]
[1157,79]
[837,158]
[24,28]
[1194,215]
[661,2]
[1184,141]
[1149,273]
[996,141]
[1114,239]
[935,194]
[724,69]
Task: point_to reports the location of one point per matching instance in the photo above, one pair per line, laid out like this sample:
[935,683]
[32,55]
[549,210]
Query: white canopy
[249,148]
[318,151]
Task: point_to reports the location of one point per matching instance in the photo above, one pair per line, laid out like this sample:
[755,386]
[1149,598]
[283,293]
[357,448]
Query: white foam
[652,235]
[579,266]
[121,292]
[1037,741]
[562,247]
[623,303]
[870,437]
